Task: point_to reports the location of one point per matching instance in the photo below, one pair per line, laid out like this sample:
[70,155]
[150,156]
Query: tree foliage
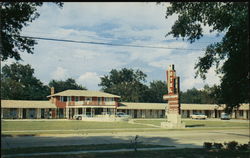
[126,83]
[70,83]
[205,96]
[13,17]
[232,19]
[155,92]
[18,82]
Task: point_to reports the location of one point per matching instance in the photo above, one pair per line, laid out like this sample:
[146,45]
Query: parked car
[80,116]
[224,116]
[198,116]
[121,114]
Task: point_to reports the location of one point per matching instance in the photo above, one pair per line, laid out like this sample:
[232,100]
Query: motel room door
[24,113]
[135,113]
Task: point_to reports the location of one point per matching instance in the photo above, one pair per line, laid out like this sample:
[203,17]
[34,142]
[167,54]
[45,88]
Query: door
[24,113]
[135,113]
[42,113]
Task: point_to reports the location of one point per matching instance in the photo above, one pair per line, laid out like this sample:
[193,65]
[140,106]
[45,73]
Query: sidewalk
[84,152]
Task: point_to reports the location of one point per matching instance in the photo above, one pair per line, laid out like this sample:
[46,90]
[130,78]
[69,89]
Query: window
[109,99]
[77,99]
[69,98]
[63,98]
[99,99]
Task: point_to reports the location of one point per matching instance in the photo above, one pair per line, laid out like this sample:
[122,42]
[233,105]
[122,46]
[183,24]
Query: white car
[198,116]
[121,114]
[80,116]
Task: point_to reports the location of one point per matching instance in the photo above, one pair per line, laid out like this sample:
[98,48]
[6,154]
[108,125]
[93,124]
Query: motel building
[66,104]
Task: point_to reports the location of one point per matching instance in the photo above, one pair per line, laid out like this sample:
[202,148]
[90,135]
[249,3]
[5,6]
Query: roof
[199,107]
[146,106]
[26,104]
[86,93]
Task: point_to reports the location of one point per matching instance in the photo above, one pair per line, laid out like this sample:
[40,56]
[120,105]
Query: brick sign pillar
[173,110]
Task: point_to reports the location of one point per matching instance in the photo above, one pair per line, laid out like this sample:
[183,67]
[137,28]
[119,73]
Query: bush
[207,145]
[231,145]
[243,147]
[218,145]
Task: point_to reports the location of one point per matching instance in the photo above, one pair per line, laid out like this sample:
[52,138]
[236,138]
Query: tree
[14,16]
[155,92]
[205,96]
[65,85]
[232,19]
[126,83]
[18,82]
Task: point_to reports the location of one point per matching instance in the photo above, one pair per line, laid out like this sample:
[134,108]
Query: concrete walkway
[84,152]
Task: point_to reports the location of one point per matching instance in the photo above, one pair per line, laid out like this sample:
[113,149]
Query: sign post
[173,111]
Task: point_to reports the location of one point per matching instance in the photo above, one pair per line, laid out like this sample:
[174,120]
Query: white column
[38,113]
[20,113]
[76,111]
[245,114]
[233,114]
[1,112]
[67,112]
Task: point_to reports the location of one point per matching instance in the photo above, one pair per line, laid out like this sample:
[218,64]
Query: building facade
[66,104]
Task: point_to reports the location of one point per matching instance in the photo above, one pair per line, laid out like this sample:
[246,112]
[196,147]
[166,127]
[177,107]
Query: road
[179,138]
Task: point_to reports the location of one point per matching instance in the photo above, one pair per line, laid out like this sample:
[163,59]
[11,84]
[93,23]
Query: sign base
[173,121]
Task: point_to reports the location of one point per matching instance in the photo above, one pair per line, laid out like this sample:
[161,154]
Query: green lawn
[181,153]
[13,128]
[76,148]
[200,123]
[65,125]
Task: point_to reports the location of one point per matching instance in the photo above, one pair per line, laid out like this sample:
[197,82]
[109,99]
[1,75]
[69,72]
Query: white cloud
[133,23]
[90,80]
[59,74]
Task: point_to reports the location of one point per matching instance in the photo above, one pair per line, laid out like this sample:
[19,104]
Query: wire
[109,44]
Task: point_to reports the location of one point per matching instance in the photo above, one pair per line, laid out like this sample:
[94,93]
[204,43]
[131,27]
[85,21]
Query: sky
[140,23]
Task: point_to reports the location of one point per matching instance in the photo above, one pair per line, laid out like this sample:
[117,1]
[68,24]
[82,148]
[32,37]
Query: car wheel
[79,118]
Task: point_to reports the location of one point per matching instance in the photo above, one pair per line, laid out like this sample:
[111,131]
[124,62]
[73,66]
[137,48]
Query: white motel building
[66,104]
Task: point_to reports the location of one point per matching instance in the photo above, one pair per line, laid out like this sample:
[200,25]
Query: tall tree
[205,96]
[155,92]
[70,83]
[18,82]
[13,17]
[232,19]
[126,83]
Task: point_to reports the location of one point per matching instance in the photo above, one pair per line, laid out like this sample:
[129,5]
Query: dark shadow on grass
[196,125]
[19,135]
[37,141]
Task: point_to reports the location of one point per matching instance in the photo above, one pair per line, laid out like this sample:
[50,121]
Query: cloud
[59,74]
[124,23]
[90,80]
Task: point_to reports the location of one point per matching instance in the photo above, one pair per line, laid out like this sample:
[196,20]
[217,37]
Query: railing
[79,103]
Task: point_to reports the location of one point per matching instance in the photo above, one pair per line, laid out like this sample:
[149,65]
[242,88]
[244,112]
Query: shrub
[243,147]
[231,145]
[218,145]
[207,145]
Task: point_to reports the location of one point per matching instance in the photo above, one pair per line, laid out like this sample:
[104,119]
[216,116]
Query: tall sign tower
[173,110]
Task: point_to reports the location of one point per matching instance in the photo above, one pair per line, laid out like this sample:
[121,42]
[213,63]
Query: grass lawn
[76,148]
[65,125]
[181,153]
[12,128]
[200,123]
